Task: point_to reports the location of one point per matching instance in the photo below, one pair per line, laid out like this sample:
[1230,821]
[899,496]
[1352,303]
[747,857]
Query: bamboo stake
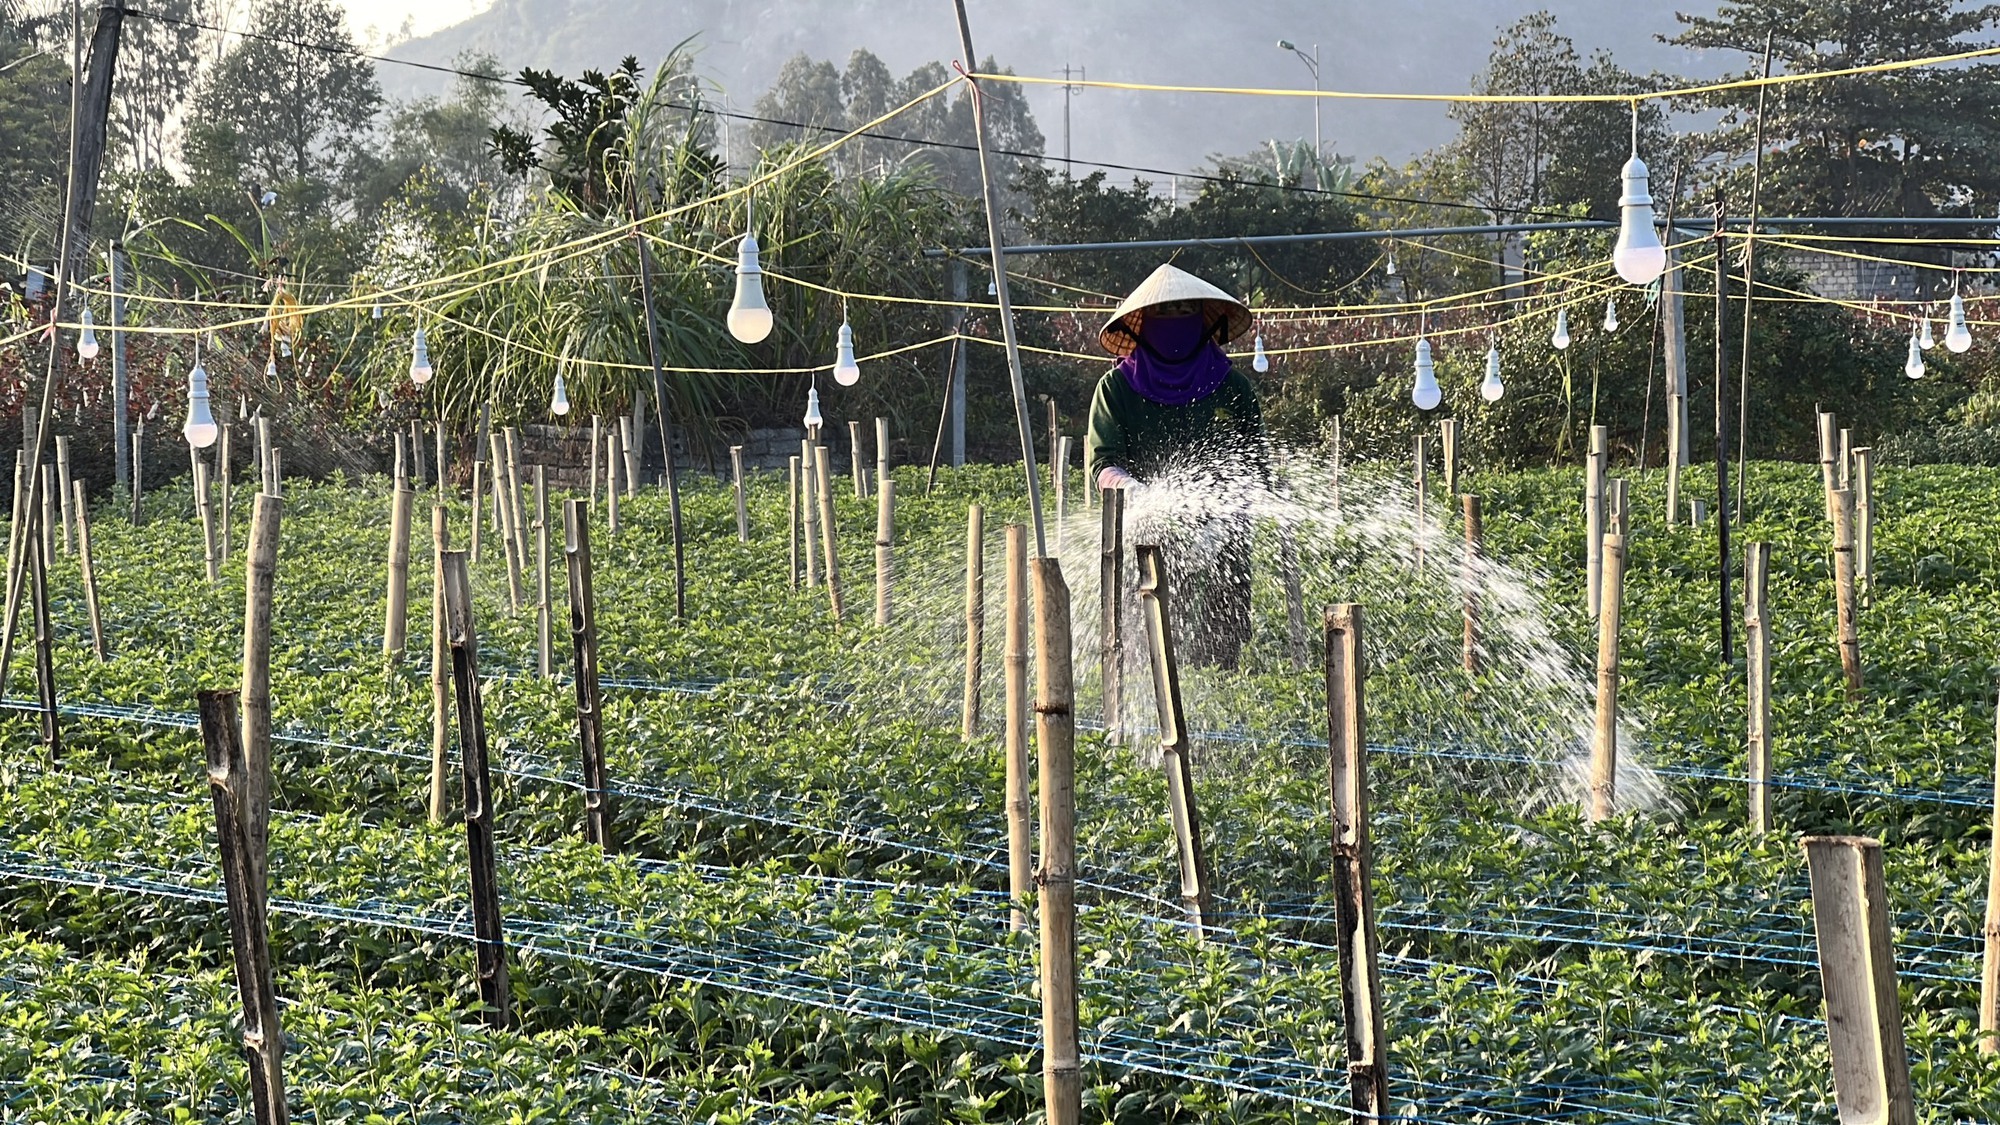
[504,513]
[89,573]
[1111,631]
[1857,972]
[226,467]
[63,478]
[1593,518]
[1864,525]
[975,619]
[1989,976]
[489,950]
[441,661]
[829,533]
[17,530]
[1846,456]
[277,471]
[264,454]
[417,473]
[1604,741]
[443,462]
[45,641]
[260,580]
[1697,511]
[1448,447]
[137,516]
[613,458]
[1757,670]
[204,509]
[792,520]
[1059,469]
[517,499]
[1616,512]
[1472,578]
[1353,868]
[596,453]
[230,774]
[1843,592]
[544,612]
[1020,840]
[809,511]
[885,546]
[477,516]
[583,640]
[742,501]
[1828,479]
[1175,747]
[1062,1085]
[51,513]
[396,621]
[882,450]
[628,451]
[854,457]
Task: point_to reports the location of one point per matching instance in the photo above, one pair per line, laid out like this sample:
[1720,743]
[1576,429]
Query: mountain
[1410,46]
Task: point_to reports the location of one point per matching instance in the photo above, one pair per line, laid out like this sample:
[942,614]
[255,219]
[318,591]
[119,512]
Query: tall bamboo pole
[975,619]
[1864,525]
[63,480]
[1989,975]
[1843,591]
[441,662]
[396,623]
[543,610]
[488,941]
[854,459]
[503,518]
[211,556]
[1020,806]
[881,450]
[792,519]
[1353,868]
[1176,748]
[583,642]
[1604,742]
[1062,1083]
[260,581]
[809,511]
[1757,669]
[885,546]
[1593,517]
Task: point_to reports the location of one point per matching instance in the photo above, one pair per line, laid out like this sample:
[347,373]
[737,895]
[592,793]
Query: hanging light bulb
[271,370]
[378,310]
[1390,270]
[559,402]
[420,359]
[285,348]
[1260,363]
[1492,388]
[1611,314]
[200,430]
[1924,338]
[1425,394]
[1638,257]
[86,343]
[749,316]
[846,372]
[1560,337]
[992,287]
[813,418]
[1958,337]
[1914,365]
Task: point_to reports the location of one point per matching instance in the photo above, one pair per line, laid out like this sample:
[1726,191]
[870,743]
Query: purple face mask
[1177,361]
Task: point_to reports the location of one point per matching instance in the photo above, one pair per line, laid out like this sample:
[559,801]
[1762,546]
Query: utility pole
[1312,64]
[1069,88]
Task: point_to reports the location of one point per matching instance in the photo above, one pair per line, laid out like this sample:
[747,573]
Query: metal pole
[992,197]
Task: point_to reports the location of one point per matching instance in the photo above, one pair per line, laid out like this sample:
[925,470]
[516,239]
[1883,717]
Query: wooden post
[1448,448]
[1062,1083]
[829,530]
[45,640]
[792,519]
[1757,670]
[1020,806]
[260,581]
[63,478]
[1843,591]
[742,501]
[809,511]
[1472,577]
[396,623]
[975,620]
[1353,868]
[854,459]
[1989,977]
[885,546]
[1604,740]
[1110,595]
[614,459]
[1864,525]
[881,451]
[596,455]
[1055,428]
[1857,972]
[544,612]
[243,865]
[1593,517]
[441,660]
[489,949]
[226,468]
[82,509]
[1175,747]
[204,508]
[583,640]
[1829,479]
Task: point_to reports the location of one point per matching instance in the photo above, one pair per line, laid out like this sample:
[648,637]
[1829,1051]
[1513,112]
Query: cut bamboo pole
[1059,469]
[396,620]
[1846,458]
[1448,449]
[583,641]
[1472,578]
[260,581]
[277,471]
[1110,594]
[506,483]
[881,451]
[792,519]
[854,458]
[1616,511]
[205,510]
[1864,525]
[885,548]
[517,498]
[975,620]
[477,517]
[1175,746]
[614,459]
[1697,511]
[243,864]
[17,530]
[1857,972]
[1604,740]
[488,942]
[596,456]
[441,662]
[264,454]
[51,513]
[97,647]
[45,641]
[1757,671]
[1989,976]
[1020,838]
[496,473]
[544,612]
[1353,868]
[1593,518]
[742,501]
[1829,479]
[226,468]
[137,515]
[417,474]
[1062,1081]
[443,460]
[63,479]
[829,535]
[809,511]
[628,455]
[1843,592]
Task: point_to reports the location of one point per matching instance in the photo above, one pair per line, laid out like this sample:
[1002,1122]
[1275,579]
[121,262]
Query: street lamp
[1312,64]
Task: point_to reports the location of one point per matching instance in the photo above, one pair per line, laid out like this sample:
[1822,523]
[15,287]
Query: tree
[805,92]
[583,145]
[281,113]
[157,65]
[449,140]
[34,139]
[1915,142]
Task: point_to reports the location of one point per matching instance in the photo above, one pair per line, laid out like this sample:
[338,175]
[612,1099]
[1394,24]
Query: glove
[1114,477]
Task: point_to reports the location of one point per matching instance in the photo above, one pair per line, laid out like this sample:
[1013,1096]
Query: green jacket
[1141,436]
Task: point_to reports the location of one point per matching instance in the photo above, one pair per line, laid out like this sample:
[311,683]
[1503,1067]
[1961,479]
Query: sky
[389,21]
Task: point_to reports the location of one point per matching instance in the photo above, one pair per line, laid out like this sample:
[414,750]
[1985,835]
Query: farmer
[1174,409]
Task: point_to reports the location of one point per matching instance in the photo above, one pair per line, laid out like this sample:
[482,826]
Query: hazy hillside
[1416,45]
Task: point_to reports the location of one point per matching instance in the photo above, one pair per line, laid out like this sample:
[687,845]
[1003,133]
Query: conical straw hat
[1167,284]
